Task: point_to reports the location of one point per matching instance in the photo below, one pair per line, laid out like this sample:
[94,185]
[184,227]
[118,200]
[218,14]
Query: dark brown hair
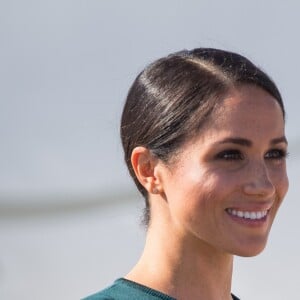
[173,97]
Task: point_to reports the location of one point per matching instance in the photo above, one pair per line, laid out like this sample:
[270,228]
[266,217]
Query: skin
[237,162]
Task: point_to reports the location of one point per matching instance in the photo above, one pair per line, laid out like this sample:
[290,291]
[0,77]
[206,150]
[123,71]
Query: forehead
[248,107]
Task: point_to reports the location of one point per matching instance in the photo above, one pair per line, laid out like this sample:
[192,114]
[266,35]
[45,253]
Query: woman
[203,135]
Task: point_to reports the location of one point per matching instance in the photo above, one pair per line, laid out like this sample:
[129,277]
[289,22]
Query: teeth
[253,215]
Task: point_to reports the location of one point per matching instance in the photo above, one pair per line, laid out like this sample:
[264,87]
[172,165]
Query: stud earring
[155,190]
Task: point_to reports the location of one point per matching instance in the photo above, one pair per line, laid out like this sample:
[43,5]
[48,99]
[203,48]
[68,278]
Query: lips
[251,215]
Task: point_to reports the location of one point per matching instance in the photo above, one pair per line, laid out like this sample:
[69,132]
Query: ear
[145,166]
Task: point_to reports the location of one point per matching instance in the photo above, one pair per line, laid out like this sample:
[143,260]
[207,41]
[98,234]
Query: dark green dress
[123,289]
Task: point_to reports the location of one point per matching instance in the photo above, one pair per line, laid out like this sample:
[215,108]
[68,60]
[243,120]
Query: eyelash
[228,155]
[277,154]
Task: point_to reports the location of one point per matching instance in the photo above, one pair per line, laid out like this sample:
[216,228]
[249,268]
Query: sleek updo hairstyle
[173,97]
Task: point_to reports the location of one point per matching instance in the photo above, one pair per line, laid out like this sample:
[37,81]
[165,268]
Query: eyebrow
[279,140]
[248,143]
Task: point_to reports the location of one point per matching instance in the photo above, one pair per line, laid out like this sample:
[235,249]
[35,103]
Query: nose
[258,181]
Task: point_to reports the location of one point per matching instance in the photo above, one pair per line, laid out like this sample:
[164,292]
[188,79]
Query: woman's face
[226,185]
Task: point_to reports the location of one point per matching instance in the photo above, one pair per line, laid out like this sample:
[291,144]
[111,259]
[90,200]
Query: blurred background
[69,213]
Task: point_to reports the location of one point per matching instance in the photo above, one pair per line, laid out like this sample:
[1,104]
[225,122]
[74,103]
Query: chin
[249,250]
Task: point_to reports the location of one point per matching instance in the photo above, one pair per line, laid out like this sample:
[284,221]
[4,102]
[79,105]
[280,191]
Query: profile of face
[226,184]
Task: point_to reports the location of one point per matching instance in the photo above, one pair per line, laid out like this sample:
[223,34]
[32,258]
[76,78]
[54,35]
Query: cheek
[280,181]
[282,185]
[200,207]
[185,192]
[200,193]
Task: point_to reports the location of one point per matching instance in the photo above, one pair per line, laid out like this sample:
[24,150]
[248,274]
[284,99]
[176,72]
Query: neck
[184,268]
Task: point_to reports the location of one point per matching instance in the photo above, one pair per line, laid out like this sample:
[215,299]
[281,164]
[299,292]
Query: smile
[252,215]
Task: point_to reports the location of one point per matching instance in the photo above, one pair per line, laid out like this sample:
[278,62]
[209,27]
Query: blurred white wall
[68,216]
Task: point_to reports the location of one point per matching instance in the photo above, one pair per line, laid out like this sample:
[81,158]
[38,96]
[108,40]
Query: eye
[230,155]
[276,154]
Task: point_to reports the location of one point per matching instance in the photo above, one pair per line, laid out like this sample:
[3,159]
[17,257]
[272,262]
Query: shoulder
[102,295]
[123,289]
[98,296]
[117,291]
[108,293]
